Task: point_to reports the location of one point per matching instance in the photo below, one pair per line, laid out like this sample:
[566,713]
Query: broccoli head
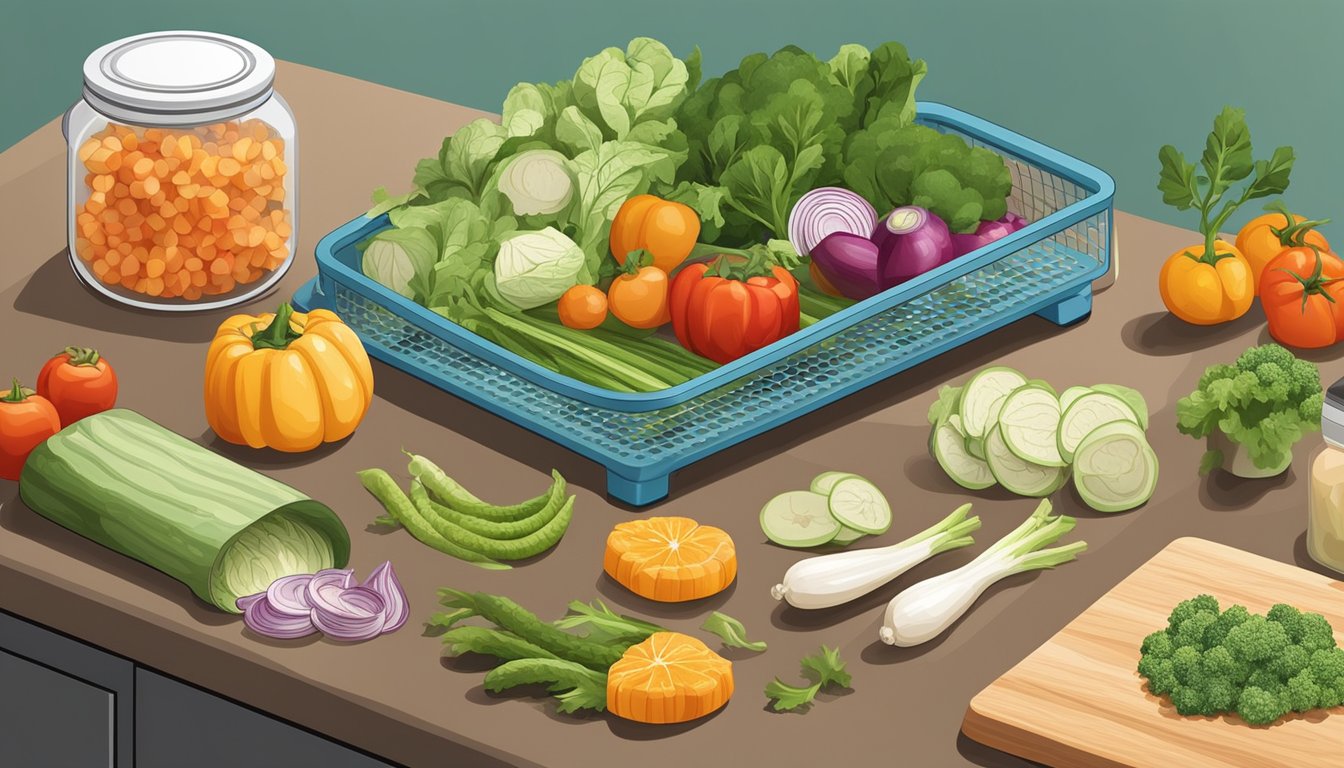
[1290,618]
[1220,695]
[1316,633]
[1191,632]
[1189,699]
[1185,664]
[1327,666]
[1265,680]
[1158,645]
[1188,608]
[1293,660]
[1233,616]
[1218,662]
[1257,639]
[1251,360]
[1258,707]
[1301,693]
[1332,695]
[1161,678]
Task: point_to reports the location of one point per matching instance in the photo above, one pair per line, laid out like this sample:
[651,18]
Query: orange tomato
[1302,293]
[582,307]
[1265,237]
[26,420]
[1207,290]
[640,299]
[79,382]
[667,230]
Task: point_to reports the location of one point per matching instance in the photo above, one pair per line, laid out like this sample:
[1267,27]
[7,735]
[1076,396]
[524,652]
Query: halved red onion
[289,594]
[359,615]
[826,210]
[261,617]
[384,581]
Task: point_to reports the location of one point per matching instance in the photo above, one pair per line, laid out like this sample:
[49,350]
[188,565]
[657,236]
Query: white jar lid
[178,78]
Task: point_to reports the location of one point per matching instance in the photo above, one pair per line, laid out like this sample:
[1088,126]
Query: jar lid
[178,78]
[1332,414]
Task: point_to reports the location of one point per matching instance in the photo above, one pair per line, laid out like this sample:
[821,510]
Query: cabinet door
[178,725]
[62,703]
[49,718]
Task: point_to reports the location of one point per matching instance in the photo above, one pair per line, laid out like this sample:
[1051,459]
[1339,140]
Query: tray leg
[1070,309]
[636,492]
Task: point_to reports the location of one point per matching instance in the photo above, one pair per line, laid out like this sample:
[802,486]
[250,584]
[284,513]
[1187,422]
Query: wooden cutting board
[1078,701]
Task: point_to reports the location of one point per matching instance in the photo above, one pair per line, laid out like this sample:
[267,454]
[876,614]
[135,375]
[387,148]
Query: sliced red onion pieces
[326,586]
[358,616]
[826,210]
[261,617]
[243,602]
[289,595]
[384,581]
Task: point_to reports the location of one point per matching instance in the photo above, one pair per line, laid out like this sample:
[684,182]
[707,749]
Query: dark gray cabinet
[65,704]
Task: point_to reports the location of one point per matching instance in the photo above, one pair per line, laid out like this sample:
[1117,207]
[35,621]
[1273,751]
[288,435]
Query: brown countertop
[395,697]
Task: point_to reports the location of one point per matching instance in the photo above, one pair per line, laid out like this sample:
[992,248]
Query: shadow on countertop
[1162,334]
[988,757]
[1226,492]
[409,393]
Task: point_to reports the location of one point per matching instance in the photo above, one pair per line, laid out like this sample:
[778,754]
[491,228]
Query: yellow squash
[289,381]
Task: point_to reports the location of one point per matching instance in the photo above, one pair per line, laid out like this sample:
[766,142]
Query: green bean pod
[385,490]
[491,529]
[500,549]
[492,642]
[451,493]
[523,623]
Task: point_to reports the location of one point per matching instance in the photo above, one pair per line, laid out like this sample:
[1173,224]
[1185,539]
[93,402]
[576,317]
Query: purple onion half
[849,262]
[910,241]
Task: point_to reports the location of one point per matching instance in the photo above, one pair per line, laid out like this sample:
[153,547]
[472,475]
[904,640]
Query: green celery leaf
[828,668]
[1227,151]
[731,632]
[788,697]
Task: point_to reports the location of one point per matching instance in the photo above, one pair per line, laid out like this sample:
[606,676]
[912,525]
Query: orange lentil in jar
[183,212]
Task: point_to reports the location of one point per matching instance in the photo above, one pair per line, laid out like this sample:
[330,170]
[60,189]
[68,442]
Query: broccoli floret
[1289,618]
[1218,662]
[1301,693]
[1185,664]
[1309,410]
[1257,639]
[1162,678]
[1158,645]
[1304,379]
[1258,707]
[1251,360]
[1265,680]
[1187,608]
[1189,700]
[1293,660]
[1233,616]
[1327,666]
[1191,632]
[1316,633]
[1332,695]
[1220,695]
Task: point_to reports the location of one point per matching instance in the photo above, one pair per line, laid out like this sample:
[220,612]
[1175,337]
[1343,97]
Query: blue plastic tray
[1046,268]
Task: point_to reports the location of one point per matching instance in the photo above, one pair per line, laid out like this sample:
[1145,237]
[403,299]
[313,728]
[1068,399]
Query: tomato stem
[82,355]
[16,394]
[1293,233]
[277,335]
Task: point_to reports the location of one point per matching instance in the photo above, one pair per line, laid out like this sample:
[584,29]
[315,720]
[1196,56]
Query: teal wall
[1107,81]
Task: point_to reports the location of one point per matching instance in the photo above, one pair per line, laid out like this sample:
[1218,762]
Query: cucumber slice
[1029,423]
[1071,394]
[824,482]
[1086,414]
[847,535]
[948,447]
[1115,469]
[858,504]
[1021,477]
[798,519]
[980,396]
[1132,397]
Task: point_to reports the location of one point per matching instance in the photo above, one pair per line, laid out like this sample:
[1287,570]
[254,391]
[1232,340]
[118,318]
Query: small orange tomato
[79,382]
[582,307]
[1265,237]
[638,296]
[26,419]
[1207,290]
[667,230]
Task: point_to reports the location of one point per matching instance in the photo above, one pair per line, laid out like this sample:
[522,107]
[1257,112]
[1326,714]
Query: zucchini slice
[1029,423]
[949,449]
[824,482]
[982,394]
[858,504]
[798,519]
[1132,397]
[1086,414]
[1021,477]
[1115,469]
[1072,393]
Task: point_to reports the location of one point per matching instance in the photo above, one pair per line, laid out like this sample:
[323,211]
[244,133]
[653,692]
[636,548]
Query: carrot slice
[668,678]
[671,559]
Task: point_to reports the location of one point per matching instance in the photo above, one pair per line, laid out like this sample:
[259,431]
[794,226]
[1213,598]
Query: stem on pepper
[277,335]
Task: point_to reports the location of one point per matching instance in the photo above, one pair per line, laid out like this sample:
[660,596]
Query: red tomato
[25,421]
[1302,292]
[79,382]
[722,313]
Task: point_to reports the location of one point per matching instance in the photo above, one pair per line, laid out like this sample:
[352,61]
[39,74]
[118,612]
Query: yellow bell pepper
[289,381]
[1207,290]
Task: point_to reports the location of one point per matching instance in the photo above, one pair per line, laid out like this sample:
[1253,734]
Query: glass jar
[1325,518]
[182,172]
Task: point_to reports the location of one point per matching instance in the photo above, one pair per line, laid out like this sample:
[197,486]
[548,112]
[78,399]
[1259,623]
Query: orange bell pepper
[724,311]
[666,229]
[1207,290]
